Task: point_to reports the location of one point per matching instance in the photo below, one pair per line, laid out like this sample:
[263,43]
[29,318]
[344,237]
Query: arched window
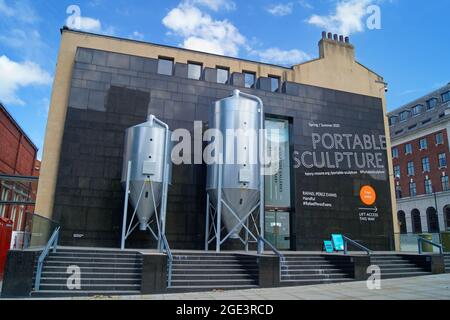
[447,216]
[416,222]
[402,222]
[433,221]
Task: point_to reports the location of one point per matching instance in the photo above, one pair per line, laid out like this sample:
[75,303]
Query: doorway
[278,185]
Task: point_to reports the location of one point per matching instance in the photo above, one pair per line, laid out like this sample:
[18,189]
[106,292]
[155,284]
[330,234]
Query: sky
[405,41]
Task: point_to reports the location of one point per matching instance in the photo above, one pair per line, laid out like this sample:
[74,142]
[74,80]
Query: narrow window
[165,66]
[223,75]
[194,70]
[274,83]
[250,79]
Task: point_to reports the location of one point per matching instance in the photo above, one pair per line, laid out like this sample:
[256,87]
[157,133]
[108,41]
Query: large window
[398,192]
[426,164]
[444,183]
[392,120]
[439,137]
[395,152]
[165,66]
[416,221]
[412,189]
[432,103]
[423,144]
[4,197]
[194,70]
[433,221]
[274,83]
[397,171]
[402,222]
[410,168]
[223,75]
[408,148]
[250,79]
[442,160]
[446,96]
[428,186]
[404,116]
[416,110]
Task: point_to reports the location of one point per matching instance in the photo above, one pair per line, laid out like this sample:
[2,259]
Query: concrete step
[207,266]
[401,270]
[78,254]
[91,265]
[313,282]
[91,281]
[216,271]
[199,257]
[93,259]
[94,287]
[81,293]
[312,271]
[94,275]
[93,269]
[213,283]
[317,267]
[205,288]
[214,262]
[396,266]
[385,275]
[315,277]
[190,277]
[96,251]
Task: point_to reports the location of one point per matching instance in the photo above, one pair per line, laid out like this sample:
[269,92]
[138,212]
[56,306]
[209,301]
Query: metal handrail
[419,243]
[356,244]
[277,252]
[170,255]
[52,243]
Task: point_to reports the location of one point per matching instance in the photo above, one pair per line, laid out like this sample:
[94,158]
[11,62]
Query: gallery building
[332,109]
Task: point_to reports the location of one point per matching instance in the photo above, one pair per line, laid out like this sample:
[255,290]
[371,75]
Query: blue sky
[411,50]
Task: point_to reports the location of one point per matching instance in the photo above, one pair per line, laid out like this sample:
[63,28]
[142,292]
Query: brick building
[420,151]
[17,158]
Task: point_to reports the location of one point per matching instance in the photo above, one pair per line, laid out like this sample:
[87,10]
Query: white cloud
[201,32]
[283,57]
[19,10]
[90,24]
[76,21]
[305,4]
[214,5]
[347,18]
[136,35]
[5,9]
[17,75]
[280,9]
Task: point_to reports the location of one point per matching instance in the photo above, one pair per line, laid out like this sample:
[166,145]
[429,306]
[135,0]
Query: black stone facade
[111,92]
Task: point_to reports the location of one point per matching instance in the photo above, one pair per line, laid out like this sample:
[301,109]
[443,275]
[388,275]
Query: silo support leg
[207,222]
[125,207]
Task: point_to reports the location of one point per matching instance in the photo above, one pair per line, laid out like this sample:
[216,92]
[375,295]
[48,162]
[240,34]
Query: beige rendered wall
[335,69]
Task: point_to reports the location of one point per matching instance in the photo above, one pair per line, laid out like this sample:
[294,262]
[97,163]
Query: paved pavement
[435,287]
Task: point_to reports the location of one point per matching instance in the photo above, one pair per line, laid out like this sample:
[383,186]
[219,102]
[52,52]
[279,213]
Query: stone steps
[102,272]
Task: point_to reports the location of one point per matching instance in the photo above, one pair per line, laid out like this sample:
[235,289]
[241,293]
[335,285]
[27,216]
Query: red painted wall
[17,157]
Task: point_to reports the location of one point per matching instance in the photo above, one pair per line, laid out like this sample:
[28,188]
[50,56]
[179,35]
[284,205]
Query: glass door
[277,229]
[278,184]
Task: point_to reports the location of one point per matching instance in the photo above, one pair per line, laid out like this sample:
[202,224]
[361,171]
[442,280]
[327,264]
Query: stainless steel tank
[145,148]
[240,181]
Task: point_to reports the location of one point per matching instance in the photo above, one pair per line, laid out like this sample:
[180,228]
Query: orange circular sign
[368,195]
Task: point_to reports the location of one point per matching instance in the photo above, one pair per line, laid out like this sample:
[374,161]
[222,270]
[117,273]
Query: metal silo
[145,176]
[234,187]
